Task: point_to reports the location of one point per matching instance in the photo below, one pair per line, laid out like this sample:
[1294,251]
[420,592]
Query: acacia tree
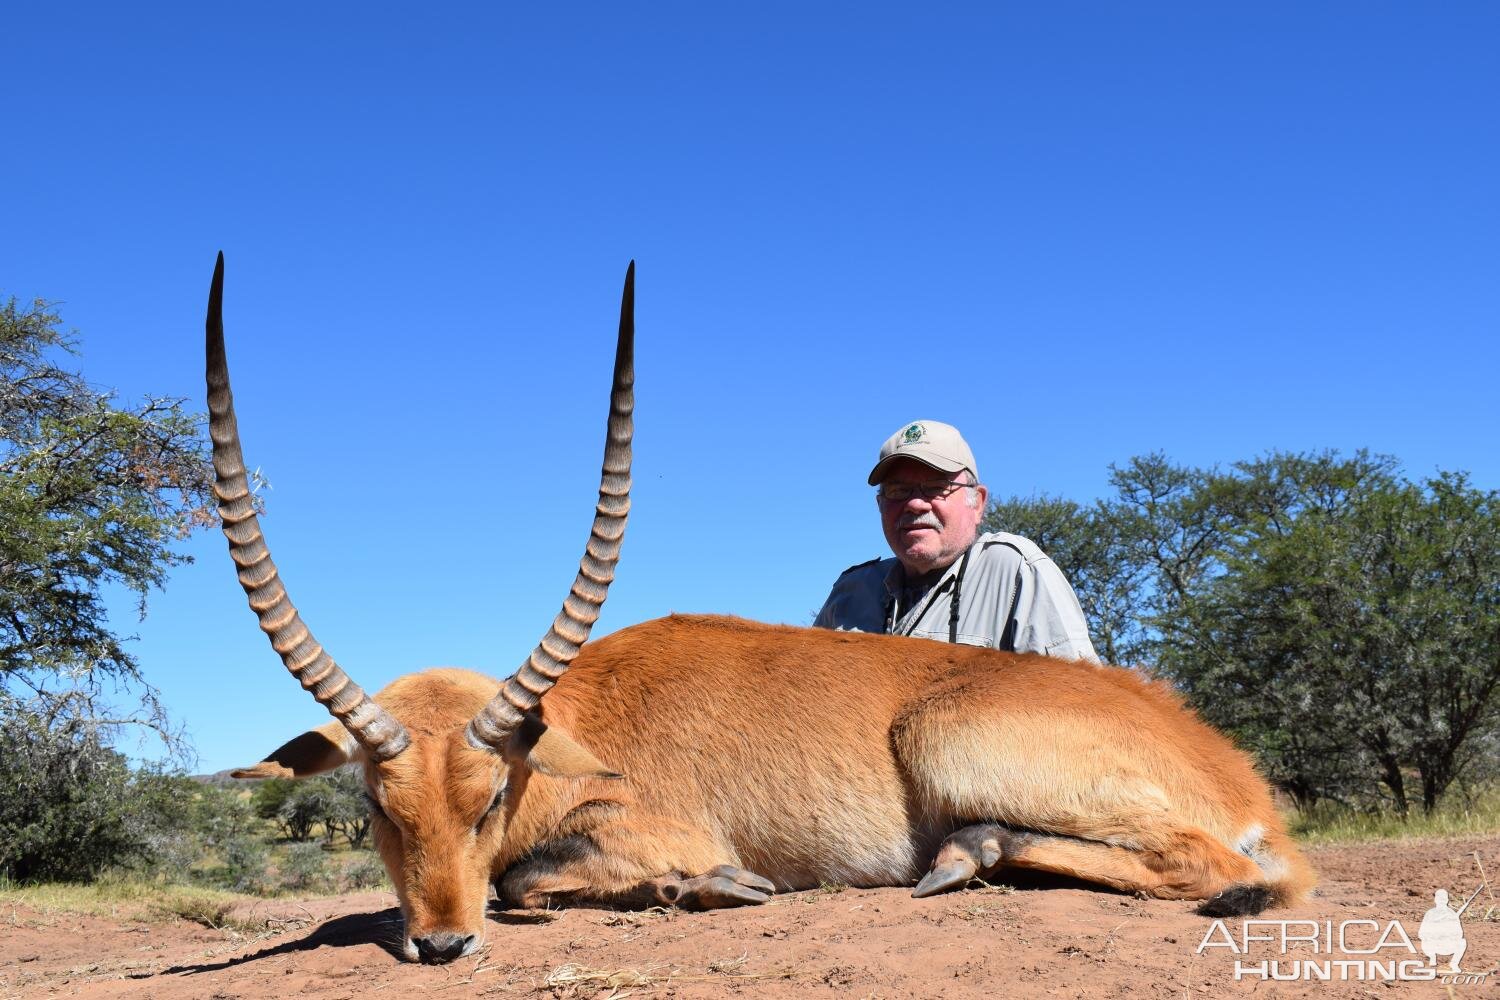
[1091,546]
[334,801]
[1448,571]
[1222,628]
[1341,621]
[93,492]
[348,813]
[1351,632]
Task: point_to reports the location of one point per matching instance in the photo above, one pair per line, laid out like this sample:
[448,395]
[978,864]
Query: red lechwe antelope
[708,762]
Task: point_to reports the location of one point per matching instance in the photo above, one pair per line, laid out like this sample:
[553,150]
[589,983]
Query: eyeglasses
[935,489]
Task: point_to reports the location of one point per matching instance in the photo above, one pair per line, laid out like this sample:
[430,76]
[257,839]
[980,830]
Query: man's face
[929,534]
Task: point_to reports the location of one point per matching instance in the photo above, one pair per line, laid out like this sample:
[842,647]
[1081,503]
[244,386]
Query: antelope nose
[444,946]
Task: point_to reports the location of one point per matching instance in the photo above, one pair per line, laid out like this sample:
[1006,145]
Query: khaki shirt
[1010,596]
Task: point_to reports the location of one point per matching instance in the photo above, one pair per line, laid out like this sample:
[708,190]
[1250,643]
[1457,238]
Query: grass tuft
[1342,825]
[130,900]
[211,913]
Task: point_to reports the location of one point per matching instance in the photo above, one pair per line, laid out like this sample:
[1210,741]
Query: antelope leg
[719,887]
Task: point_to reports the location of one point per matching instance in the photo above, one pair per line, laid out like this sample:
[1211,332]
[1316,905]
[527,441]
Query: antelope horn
[375,729]
[524,689]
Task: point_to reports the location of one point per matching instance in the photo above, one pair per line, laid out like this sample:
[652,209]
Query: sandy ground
[1028,941]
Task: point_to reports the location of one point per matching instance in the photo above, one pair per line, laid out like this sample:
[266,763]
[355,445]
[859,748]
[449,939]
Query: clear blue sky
[1078,231]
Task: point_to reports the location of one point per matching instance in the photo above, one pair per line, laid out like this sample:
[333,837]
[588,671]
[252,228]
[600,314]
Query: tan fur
[810,757]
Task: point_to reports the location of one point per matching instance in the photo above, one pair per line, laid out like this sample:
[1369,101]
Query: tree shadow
[383,928]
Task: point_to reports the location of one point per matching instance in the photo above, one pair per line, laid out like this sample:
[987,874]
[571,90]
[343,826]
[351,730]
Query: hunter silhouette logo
[1442,933]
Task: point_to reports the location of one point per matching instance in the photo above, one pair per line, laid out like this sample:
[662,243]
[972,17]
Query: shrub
[219,815]
[244,865]
[70,807]
[366,871]
[304,868]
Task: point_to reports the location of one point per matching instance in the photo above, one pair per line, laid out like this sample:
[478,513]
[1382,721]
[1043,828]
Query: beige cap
[929,442]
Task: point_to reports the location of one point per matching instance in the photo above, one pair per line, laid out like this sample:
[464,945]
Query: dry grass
[211,913]
[976,911]
[574,979]
[636,918]
[1480,817]
[141,901]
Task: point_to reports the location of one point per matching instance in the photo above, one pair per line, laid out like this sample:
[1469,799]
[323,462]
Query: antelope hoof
[715,889]
[964,854]
[942,878]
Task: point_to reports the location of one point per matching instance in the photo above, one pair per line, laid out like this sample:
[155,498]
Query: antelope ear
[553,752]
[314,752]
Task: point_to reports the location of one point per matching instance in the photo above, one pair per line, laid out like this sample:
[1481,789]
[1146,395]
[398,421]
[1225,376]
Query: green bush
[304,868]
[221,814]
[70,807]
[367,871]
[244,867]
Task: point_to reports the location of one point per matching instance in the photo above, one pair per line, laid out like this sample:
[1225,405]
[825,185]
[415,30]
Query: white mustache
[924,520]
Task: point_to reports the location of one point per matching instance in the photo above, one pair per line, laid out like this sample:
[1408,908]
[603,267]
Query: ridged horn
[524,689]
[375,729]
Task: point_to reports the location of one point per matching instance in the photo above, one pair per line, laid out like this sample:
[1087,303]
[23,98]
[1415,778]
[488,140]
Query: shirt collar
[895,577]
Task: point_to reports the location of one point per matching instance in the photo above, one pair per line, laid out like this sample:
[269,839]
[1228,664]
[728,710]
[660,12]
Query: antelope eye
[489,809]
[375,807]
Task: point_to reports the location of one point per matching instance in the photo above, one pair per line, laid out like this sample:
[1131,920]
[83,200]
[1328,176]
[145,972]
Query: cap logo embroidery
[913,434]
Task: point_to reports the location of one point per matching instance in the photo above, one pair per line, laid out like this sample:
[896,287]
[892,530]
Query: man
[947,581]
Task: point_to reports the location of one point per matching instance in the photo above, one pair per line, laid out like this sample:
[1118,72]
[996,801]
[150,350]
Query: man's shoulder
[857,598]
[870,567]
[1004,545]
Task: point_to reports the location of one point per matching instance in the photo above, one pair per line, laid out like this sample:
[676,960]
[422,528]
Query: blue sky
[1078,231]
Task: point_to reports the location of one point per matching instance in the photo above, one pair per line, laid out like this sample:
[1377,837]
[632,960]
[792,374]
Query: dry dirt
[1030,941]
